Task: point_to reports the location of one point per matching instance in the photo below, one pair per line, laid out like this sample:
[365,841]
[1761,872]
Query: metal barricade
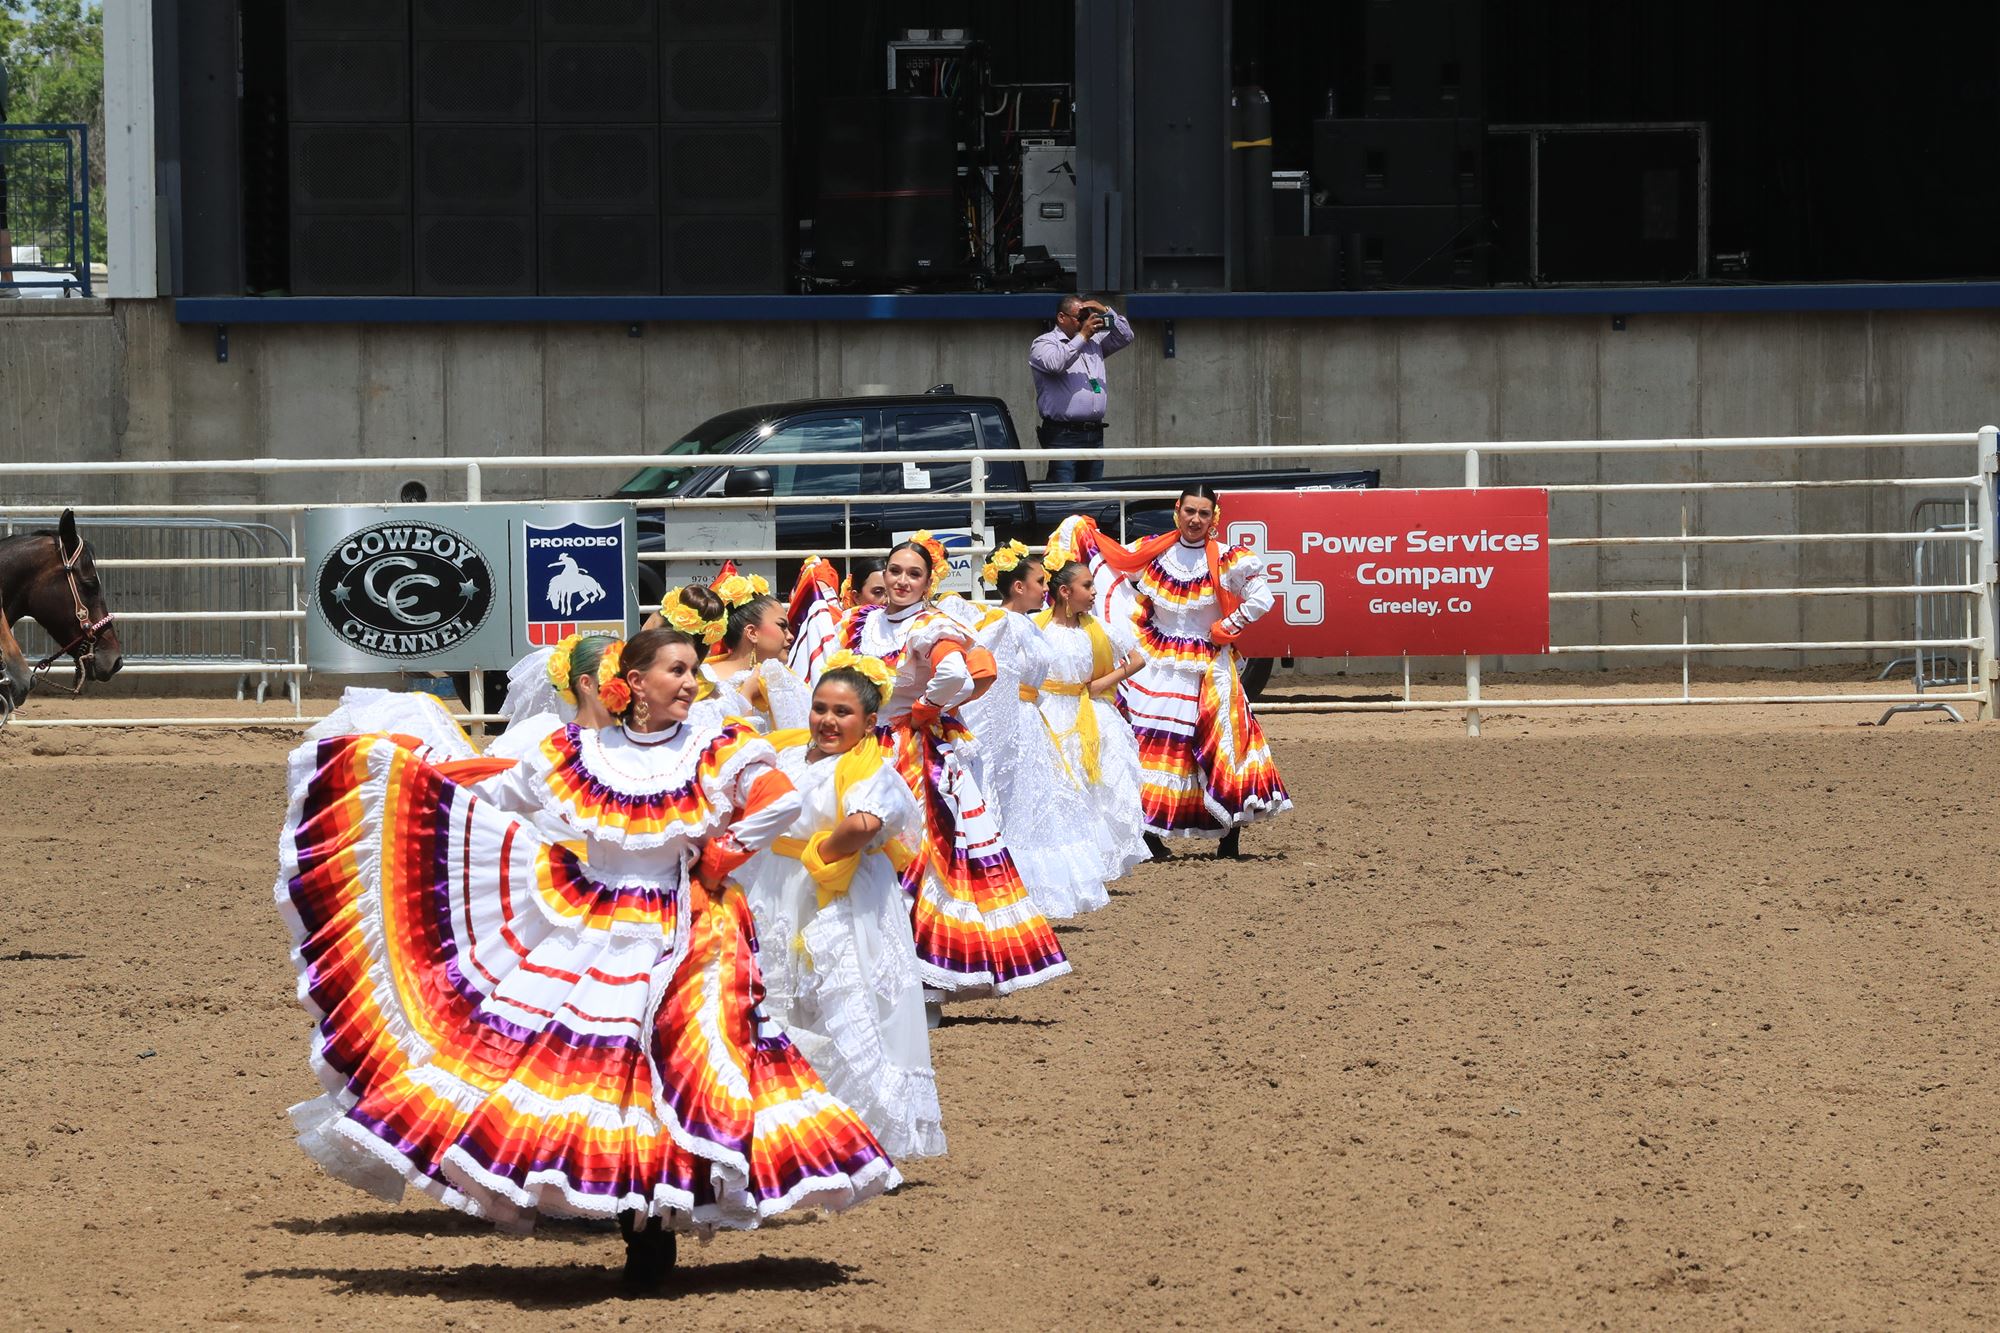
[1937,562]
[163,567]
[45,201]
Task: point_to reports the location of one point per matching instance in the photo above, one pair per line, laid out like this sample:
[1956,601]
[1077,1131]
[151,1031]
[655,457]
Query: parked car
[861,429]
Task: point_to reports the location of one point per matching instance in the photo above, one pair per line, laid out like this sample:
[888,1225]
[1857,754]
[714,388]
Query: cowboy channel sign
[464,587]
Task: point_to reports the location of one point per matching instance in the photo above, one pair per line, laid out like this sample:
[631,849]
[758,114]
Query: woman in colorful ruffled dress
[1208,769]
[839,961]
[516,1036]
[977,930]
[1087,661]
[748,665]
[1062,851]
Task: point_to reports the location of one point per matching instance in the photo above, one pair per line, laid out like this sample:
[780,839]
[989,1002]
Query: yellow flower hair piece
[562,668]
[1004,560]
[683,617]
[741,589]
[612,690]
[940,558]
[874,668]
[1061,550]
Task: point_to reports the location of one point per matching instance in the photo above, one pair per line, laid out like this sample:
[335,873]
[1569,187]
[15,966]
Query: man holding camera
[1068,362]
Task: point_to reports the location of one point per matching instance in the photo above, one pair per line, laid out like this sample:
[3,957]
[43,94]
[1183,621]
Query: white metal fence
[1951,607]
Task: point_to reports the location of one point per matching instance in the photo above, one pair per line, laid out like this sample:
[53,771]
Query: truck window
[934,431]
[818,435]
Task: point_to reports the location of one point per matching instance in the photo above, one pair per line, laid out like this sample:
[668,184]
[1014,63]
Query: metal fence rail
[1956,586]
[45,172]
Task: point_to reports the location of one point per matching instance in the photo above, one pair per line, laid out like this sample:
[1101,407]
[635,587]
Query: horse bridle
[83,648]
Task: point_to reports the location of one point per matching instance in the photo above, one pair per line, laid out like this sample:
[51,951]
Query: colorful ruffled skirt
[1207,767]
[977,930]
[516,1039]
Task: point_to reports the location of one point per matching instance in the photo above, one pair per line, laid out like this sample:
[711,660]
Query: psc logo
[1303,601]
[407,588]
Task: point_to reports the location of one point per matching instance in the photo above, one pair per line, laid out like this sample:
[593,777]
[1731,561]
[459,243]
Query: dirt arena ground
[1633,1019]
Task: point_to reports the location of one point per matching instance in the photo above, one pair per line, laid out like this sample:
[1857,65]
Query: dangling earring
[639,711]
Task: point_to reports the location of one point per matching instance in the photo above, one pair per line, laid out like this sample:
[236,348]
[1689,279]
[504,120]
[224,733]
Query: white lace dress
[767,695]
[1114,799]
[1062,849]
[842,979]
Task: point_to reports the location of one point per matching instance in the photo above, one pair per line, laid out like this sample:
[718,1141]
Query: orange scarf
[1130,562]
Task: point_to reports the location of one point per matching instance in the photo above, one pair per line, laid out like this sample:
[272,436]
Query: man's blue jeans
[1058,435]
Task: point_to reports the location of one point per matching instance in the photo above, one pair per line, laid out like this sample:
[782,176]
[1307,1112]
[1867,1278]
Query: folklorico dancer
[1061,850]
[820,598]
[839,961]
[977,930]
[516,1036]
[1088,661]
[748,665]
[1208,768]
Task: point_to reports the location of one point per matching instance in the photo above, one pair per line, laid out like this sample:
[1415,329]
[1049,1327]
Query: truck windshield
[717,435]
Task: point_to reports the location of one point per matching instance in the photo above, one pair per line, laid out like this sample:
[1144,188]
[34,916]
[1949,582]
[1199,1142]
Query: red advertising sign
[1361,573]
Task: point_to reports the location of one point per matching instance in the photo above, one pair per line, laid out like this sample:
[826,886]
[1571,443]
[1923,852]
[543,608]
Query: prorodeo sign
[1368,573]
[574,579]
[405,589]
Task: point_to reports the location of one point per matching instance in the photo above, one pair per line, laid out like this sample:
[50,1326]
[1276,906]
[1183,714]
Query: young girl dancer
[1061,849]
[977,930]
[833,926]
[515,1036]
[748,665]
[1088,661]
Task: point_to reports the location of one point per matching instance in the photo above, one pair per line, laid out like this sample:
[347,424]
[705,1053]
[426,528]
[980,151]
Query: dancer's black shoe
[1230,848]
[649,1252]
[1157,845]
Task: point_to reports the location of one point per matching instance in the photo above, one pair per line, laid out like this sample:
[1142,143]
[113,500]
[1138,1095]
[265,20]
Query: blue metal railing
[45,204]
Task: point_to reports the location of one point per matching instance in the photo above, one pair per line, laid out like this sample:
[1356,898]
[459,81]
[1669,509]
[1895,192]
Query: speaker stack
[1405,186]
[887,203]
[508,147]
[348,103]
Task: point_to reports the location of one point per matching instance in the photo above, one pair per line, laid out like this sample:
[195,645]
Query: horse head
[52,579]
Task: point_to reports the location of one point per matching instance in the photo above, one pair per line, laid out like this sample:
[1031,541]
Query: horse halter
[82,648]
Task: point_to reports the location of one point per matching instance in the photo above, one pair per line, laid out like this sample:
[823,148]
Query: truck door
[944,483]
[824,526]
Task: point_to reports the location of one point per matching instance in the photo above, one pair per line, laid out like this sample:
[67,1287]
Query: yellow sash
[1102,656]
[834,878]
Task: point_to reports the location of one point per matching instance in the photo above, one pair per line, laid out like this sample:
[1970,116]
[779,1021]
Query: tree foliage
[54,53]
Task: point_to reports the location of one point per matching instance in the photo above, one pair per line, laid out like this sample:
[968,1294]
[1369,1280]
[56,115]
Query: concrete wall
[123,380]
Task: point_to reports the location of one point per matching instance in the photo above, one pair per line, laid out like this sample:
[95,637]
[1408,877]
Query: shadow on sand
[566,1286]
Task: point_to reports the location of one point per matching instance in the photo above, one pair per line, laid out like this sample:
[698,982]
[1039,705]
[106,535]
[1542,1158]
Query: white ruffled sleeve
[529,691]
[886,796]
[1243,574]
[790,697]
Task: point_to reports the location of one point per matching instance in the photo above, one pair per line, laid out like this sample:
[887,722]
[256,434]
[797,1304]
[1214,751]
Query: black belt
[1052,424]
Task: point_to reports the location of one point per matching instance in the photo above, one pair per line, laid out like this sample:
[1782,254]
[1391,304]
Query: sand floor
[1621,1019]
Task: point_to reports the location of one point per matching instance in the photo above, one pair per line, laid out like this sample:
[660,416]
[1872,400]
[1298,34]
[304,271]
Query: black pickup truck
[858,429]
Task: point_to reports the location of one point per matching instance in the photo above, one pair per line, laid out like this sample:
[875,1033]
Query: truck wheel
[1256,675]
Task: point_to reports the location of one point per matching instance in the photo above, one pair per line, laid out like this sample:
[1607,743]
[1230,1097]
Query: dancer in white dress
[1063,852]
[748,669]
[1088,661]
[839,961]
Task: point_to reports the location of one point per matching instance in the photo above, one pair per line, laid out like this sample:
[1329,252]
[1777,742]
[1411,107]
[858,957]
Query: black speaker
[847,237]
[348,18]
[722,168]
[348,80]
[725,254]
[720,81]
[586,255]
[493,20]
[919,146]
[596,20]
[1415,245]
[350,169]
[922,237]
[600,169]
[1400,161]
[475,82]
[850,146]
[350,255]
[701,21]
[469,170]
[599,83]
[1423,58]
[481,256]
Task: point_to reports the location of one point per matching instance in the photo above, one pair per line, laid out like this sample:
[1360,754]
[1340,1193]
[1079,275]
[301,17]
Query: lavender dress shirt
[1069,372]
